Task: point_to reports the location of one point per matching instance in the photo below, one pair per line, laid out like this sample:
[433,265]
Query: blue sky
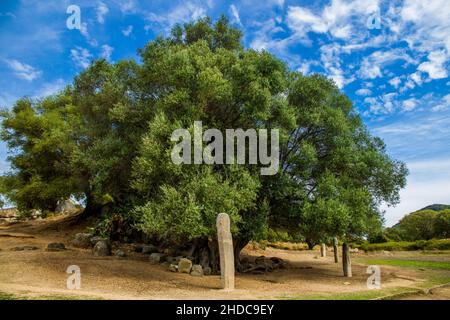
[390,57]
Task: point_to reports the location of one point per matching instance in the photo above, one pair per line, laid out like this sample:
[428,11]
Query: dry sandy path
[44,273]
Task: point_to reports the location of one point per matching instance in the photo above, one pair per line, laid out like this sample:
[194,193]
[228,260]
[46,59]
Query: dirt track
[41,273]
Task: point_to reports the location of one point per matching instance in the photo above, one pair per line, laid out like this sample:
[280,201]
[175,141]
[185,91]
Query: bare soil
[38,273]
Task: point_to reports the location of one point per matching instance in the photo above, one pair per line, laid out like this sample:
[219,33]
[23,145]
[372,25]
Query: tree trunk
[205,251]
[239,244]
[310,244]
[335,250]
[346,263]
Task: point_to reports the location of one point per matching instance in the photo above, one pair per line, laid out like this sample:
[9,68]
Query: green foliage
[106,139]
[442,224]
[421,225]
[436,207]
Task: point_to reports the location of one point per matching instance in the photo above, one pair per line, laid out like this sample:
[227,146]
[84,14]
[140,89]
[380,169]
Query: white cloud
[340,18]
[443,104]
[435,66]
[102,11]
[332,63]
[183,13]
[23,70]
[127,31]
[106,52]
[409,104]
[395,82]
[372,65]
[235,14]
[363,92]
[81,56]
[128,6]
[84,31]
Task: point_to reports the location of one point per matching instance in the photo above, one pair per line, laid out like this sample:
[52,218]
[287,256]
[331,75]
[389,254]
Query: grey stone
[207,271]
[184,265]
[56,246]
[102,248]
[65,206]
[149,248]
[82,240]
[156,257]
[197,270]
[96,239]
[120,254]
[173,267]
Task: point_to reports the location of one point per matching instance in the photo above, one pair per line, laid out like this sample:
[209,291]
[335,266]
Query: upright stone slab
[335,250]
[226,251]
[323,250]
[346,263]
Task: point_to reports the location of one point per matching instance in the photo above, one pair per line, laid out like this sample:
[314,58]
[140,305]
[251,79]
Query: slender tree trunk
[346,262]
[335,250]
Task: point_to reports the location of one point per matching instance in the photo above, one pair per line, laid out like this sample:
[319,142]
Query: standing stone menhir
[226,251]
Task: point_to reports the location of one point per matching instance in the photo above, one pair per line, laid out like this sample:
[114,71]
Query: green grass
[361,295]
[8,296]
[409,263]
[436,274]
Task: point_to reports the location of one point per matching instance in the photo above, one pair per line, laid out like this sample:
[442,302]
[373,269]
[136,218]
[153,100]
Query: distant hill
[436,207]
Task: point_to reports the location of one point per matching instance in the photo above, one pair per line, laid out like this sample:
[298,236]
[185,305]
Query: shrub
[442,244]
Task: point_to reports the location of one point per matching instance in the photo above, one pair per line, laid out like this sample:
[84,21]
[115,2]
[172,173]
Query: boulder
[65,206]
[173,267]
[56,246]
[96,239]
[197,270]
[184,265]
[207,271]
[82,240]
[149,249]
[354,250]
[120,254]
[156,257]
[102,248]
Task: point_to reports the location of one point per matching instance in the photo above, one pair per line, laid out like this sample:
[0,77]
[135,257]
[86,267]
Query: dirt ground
[38,273]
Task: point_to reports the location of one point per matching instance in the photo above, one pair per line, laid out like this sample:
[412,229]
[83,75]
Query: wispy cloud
[235,14]
[102,11]
[23,70]
[106,52]
[81,56]
[127,31]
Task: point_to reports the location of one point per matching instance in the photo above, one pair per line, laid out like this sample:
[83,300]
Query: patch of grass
[9,296]
[409,263]
[441,244]
[360,295]
[288,245]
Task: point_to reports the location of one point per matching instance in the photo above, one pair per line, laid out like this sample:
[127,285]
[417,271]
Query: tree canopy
[421,225]
[106,139]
